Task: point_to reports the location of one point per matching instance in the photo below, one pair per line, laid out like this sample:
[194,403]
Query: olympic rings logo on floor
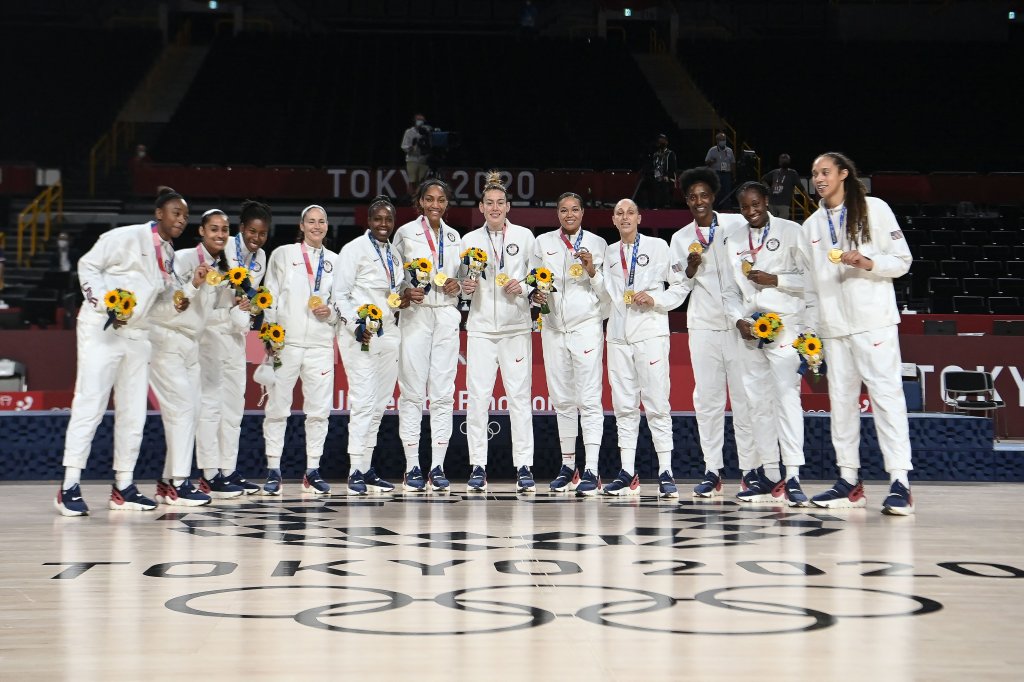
[358,609]
[493,429]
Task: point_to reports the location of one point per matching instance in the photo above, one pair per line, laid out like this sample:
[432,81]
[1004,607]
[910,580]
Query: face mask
[141,155]
[721,145]
[62,243]
[419,123]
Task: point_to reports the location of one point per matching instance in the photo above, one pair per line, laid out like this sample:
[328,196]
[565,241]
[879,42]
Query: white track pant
[484,357]
[772,386]
[174,377]
[716,359]
[315,366]
[371,385]
[429,357]
[639,373]
[573,366]
[874,358]
[108,360]
[222,368]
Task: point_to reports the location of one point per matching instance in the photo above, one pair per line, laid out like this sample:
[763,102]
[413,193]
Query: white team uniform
[716,348]
[308,347]
[222,367]
[367,272]
[174,368]
[498,337]
[571,336]
[429,354]
[854,312]
[118,359]
[770,373]
[638,340]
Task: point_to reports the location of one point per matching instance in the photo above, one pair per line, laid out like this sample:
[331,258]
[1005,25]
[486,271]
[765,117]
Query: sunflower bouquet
[272,336]
[542,280]
[419,272]
[370,319]
[476,260]
[238,278]
[120,306]
[767,327]
[262,300]
[811,351]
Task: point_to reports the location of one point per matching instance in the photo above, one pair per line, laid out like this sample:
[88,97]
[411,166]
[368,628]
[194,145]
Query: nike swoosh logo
[654,362]
[299,263]
[879,344]
[551,253]
[75,499]
[588,351]
[815,241]
[325,373]
[520,359]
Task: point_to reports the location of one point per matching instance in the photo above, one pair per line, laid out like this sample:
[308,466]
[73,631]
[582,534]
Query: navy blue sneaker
[899,502]
[414,481]
[842,495]
[711,486]
[762,490]
[795,494]
[273,485]
[185,495]
[749,479]
[70,503]
[314,483]
[130,499]
[219,488]
[477,482]
[235,478]
[438,481]
[589,485]
[356,484]
[567,479]
[667,485]
[624,484]
[524,480]
[375,483]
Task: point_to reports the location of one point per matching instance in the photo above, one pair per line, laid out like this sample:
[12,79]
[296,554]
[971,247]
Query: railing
[802,201]
[107,150]
[29,219]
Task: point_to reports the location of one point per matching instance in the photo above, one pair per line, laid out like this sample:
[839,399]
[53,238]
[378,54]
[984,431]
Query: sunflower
[127,305]
[112,299]
[374,312]
[763,327]
[276,333]
[774,319]
[422,264]
[263,300]
[237,275]
[812,346]
[543,275]
[264,328]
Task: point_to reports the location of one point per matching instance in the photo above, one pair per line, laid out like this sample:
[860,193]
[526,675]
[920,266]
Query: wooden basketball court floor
[507,587]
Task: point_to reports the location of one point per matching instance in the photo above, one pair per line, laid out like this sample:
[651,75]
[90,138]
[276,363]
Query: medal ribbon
[499,254]
[436,252]
[389,269]
[632,267]
[314,286]
[573,248]
[158,249]
[238,254]
[711,233]
[750,240]
[831,227]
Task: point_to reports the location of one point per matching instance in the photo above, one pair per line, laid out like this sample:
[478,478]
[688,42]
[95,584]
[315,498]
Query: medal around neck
[746,266]
[213,278]
[835,256]
[440,278]
[394,301]
[315,302]
[179,297]
[501,280]
[695,247]
[628,297]
[575,270]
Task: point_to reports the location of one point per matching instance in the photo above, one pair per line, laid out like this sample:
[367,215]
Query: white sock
[312,462]
[569,460]
[629,460]
[210,474]
[123,479]
[72,476]
[437,453]
[665,462]
[568,445]
[792,472]
[356,463]
[412,456]
[274,462]
[227,472]
[177,481]
[593,450]
[901,476]
[848,474]
[771,471]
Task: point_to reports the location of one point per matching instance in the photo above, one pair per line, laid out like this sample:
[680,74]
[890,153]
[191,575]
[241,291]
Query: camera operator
[416,145]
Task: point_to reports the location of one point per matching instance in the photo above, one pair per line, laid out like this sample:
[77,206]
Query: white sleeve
[345,267]
[91,269]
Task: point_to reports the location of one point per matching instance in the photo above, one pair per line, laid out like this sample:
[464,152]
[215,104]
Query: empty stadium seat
[970,305]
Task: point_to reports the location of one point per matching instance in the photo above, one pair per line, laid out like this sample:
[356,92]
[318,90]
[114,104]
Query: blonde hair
[493,182]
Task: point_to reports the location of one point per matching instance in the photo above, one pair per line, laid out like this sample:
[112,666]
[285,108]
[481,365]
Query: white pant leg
[100,354]
[562,390]
[375,373]
[211,361]
[415,360]
[877,354]
[652,370]
[588,368]
[707,356]
[174,377]
[317,374]
[789,411]
[279,399]
[444,361]
[233,399]
[742,424]
[515,359]
[481,371]
[759,389]
[131,391]
[843,396]
[625,385]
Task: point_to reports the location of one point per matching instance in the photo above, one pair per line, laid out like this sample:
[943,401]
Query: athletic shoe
[219,488]
[438,481]
[749,479]
[247,487]
[315,485]
[525,482]
[130,499]
[375,483]
[164,491]
[413,481]
[899,502]
[762,490]
[70,503]
[477,482]
[356,484]
[567,479]
[795,494]
[273,485]
[589,485]
[711,486]
[667,485]
[623,484]
[185,495]
[842,495]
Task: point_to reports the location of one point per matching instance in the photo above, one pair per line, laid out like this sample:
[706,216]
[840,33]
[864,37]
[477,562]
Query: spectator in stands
[430,336]
[63,259]
[114,353]
[528,20]
[416,145]
[659,175]
[138,159]
[781,182]
[722,160]
[853,249]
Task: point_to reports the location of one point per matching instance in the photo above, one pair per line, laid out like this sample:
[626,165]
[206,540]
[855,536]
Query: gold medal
[394,301]
[179,297]
[627,297]
[747,266]
[315,302]
[213,278]
[501,279]
[695,247]
[440,278]
[835,255]
[575,270]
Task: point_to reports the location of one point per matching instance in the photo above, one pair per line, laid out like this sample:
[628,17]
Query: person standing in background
[416,145]
[781,182]
[722,160]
